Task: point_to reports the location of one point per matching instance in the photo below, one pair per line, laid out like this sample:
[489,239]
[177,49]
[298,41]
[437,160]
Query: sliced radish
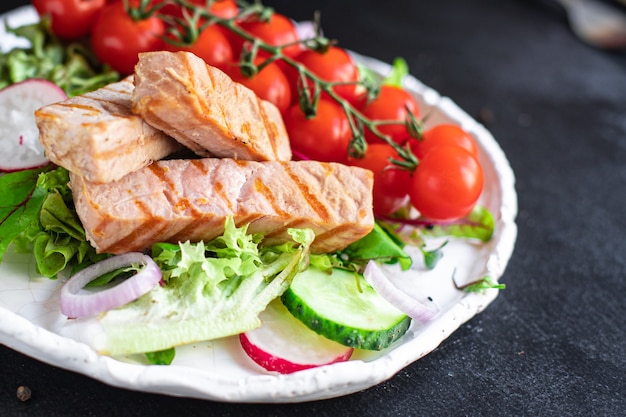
[285,345]
[19,135]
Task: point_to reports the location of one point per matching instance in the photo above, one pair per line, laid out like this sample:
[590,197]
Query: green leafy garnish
[38,216]
[481,284]
[399,70]
[70,65]
[479,224]
[379,245]
[161,357]
[433,256]
[21,203]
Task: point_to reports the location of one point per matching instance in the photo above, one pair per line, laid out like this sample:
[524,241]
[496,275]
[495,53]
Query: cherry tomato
[117,39]
[211,45]
[70,19]
[442,135]
[391,183]
[334,65]
[277,31]
[446,184]
[226,9]
[391,104]
[324,137]
[270,83]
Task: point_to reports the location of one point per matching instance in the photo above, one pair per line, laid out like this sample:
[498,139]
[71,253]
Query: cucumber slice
[343,307]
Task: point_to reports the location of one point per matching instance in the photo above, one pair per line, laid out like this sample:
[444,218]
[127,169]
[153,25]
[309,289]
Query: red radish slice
[285,345]
[19,135]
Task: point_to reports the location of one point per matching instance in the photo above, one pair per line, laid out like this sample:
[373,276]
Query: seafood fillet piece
[180,200]
[205,110]
[97,136]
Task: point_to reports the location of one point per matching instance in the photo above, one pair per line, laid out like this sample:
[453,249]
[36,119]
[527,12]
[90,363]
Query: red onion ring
[398,298]
[75,305]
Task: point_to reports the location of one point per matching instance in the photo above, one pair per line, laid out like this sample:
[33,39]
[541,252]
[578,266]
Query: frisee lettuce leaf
[211,290]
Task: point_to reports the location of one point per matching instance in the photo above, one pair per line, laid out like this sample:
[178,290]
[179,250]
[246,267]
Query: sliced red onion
[402,301]
[74,304]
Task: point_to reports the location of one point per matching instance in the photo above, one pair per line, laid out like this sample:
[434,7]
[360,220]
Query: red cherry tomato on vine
[70,19]
[270,83]
[391,104]
[391,183]
[324,137]
[442,135]
[226,9]
[117,39]
[446,184]
[277,31]
[211,45]
[334,65]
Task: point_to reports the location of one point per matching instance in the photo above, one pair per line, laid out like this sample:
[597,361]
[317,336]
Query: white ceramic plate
[30,321]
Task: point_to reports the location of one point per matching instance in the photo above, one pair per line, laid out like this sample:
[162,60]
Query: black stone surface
[552,343]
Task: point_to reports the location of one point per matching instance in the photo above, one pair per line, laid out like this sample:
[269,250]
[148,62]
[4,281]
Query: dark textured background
[552,343]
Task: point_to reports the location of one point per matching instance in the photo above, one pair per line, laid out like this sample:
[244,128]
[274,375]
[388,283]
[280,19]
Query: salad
[427,183]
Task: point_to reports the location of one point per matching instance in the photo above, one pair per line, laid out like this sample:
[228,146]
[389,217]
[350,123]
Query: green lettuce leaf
[378,245]
[399,70]
[70,65]
[21,202]
[481,284]
[479,224]
[38,217]
[212,289]
[161,357]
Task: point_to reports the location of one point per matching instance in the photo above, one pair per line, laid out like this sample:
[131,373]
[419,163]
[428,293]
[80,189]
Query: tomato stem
[143,10]
[308,96]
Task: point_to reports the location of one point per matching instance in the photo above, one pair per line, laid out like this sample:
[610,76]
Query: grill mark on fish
[309,196]
[84,107]
[200,166]
[248,219]
[295,224]
[149,231]
[191,230]
[219,189]
[269,126]
[266,192]
[332,234]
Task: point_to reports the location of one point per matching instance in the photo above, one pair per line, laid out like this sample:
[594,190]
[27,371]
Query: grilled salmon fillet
[97,136]
[180,200]
[202,108]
